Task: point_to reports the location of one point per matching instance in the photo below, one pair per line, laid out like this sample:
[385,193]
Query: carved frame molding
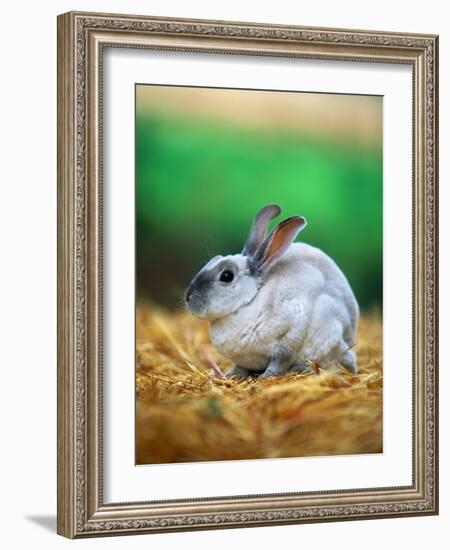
[81,39]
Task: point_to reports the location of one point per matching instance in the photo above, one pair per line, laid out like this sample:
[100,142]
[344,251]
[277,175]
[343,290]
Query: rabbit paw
[348,361]
[302,368]
[274,369]
[237,372]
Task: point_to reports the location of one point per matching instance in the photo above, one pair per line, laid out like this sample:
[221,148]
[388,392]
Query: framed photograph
[247,274]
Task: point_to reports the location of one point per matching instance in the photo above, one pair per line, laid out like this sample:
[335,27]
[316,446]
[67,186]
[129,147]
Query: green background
[199,183]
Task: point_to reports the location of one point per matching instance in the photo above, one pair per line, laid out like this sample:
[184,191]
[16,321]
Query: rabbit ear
[259,228]
[278,242]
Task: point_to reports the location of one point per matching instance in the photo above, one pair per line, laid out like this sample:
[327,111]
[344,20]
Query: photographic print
[259,275]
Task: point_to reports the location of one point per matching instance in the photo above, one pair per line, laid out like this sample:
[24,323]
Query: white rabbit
[277,306]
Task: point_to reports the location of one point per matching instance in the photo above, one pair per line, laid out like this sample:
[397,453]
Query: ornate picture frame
[82,38]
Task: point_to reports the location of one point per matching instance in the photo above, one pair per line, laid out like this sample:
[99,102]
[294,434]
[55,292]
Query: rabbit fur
[277,307]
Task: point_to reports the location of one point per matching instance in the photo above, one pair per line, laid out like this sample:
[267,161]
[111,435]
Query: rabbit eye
[226,276]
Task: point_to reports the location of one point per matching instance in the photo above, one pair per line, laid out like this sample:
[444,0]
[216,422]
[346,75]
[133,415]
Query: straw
[186,410]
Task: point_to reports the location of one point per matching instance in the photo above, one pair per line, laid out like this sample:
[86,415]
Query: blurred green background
[207,160]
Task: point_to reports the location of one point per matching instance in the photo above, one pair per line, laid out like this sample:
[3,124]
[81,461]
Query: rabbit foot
[302,368]
[275,369]
[237,372]
[348,361]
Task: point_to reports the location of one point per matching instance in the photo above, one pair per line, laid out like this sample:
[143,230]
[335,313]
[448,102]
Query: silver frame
[82,38]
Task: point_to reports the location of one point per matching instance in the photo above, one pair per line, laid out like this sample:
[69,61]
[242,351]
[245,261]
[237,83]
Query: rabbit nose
[189,292]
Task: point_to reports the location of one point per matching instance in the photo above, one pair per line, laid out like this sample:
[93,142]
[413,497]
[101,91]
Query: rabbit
[278,306]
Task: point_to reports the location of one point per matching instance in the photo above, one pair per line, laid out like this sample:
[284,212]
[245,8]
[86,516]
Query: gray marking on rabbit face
[221,287]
